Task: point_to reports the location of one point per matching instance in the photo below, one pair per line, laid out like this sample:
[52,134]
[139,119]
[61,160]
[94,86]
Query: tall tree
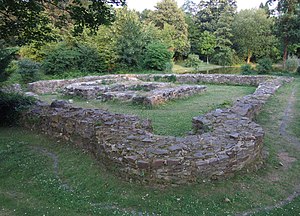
[190,9]
[167,13]
[287,23]
[22,21]
[216,16]
[207,44]
[253,33]
[129,37]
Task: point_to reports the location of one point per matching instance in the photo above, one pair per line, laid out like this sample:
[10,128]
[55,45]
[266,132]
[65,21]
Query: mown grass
[180,69]
[28,185]
[174,117]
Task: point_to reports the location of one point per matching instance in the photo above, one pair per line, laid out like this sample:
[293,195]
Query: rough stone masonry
[224,140]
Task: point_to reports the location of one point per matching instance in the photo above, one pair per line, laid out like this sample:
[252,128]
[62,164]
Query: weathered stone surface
[223,142]
[14,88]
[140,92]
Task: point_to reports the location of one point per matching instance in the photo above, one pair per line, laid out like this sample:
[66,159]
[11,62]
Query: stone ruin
[131,89]
[223,141]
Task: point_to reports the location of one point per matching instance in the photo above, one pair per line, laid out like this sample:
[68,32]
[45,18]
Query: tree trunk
[285,51]
[249,57]
[207,62]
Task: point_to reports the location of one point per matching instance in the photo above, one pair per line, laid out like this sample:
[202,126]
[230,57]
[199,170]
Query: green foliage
[298,70]
[6,56]
[253,33]
[129,37]
[168,17]
[287,23]
[224,56]
[35,51]
[216,17]
[104,43]
[207,44]
[29,70]
[11,106]
[246,69]
[192,61]
[66,57]
[264,66]
[292,64]
[157,57]
[24,21]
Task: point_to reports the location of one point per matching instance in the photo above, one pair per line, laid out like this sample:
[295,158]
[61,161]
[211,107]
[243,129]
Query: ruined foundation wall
[224,141]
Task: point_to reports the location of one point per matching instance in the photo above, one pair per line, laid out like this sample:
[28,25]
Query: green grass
[29,185]
[174,117]
[180,69]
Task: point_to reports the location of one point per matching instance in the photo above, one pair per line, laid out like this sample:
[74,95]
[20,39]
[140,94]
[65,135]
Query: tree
[129,41]
[216,16]
[253,33]
[168,13]
[287,23]
[207,44]
[22,21]
[189,7]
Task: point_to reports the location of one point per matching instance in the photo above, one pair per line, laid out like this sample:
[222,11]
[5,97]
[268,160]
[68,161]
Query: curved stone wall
[224,141]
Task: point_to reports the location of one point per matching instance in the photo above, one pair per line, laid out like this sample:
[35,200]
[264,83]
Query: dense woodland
[40,38]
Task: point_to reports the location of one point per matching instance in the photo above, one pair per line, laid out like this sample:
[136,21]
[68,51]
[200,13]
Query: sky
[140,5]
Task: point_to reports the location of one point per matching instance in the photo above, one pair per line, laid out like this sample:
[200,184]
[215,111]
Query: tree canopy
[22,21]
[253,33]
[168,15]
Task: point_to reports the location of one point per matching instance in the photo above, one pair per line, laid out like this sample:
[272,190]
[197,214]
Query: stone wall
[224,141]
[50,86]
[132,90]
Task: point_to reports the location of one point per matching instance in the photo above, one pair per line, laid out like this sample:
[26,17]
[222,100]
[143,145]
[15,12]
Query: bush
[6,56]
[298,70]
[264,66]
[193,61]
[71,57]
[29,70]
[246,69]
[11,106]
[157,57]
[292,64]
[224,57]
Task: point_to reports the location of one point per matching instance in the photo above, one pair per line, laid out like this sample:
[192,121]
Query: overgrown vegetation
[158,57]
[29,70]
[71,57]
[11,106]
[193,61]
[264,66]
[292,64]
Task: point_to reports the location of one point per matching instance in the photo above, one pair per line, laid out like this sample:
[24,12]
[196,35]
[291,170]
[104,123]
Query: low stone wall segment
[224,140]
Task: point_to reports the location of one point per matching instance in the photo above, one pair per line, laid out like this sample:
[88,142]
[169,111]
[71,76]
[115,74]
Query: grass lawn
[179,69]
[174,117]
[39,176]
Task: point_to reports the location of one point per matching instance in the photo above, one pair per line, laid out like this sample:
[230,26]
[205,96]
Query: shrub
[264,66]
[11,106]
[298,70]
[224,57]
[67,57]
[193,61]
[246,69]
[292,64]
[157,57]
[6,56]
[29,70]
